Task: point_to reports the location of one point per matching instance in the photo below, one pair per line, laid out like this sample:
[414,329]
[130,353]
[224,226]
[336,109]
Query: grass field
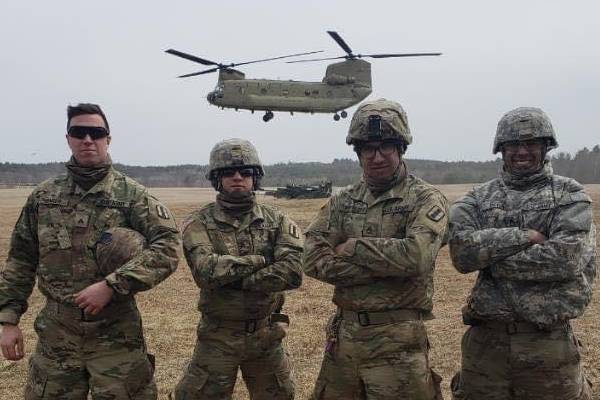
[170,314]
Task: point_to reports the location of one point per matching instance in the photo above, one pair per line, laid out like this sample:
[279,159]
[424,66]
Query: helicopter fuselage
[344,85]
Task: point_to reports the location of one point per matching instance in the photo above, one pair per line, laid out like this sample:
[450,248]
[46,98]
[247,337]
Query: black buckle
[363,318]
[250,326]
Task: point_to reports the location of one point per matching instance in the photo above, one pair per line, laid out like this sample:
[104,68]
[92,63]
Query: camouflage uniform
[377,342]
[520,344]
[242,264]
[54,240]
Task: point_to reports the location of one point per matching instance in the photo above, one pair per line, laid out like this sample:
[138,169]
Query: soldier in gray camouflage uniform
[90,332]
[243,255]
[530,236]
[377,242]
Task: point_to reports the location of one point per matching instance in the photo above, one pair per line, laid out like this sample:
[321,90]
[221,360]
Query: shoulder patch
[435,214]
[293,231]
[162,211]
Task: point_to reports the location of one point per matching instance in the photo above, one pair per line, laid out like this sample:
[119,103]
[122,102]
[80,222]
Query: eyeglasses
[529,145]
[385,149]
[244,172]
[95,132]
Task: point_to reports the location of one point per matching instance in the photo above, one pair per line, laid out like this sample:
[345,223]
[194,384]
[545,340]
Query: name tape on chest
[435,214]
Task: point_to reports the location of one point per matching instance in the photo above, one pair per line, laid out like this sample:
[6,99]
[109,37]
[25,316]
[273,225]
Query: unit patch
[435,213]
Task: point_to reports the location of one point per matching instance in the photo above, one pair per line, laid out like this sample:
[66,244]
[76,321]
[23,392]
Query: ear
[108,139]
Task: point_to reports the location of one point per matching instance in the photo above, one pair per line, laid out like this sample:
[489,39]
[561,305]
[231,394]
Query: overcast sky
[497,56]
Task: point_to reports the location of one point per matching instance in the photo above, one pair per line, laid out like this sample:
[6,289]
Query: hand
[535,237]
[11,341]
[345,248]
[94,298]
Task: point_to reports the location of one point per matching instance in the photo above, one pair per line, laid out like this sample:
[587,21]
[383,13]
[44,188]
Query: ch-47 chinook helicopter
[345,84]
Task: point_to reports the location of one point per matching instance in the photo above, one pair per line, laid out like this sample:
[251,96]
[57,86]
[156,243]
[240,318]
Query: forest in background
[584,166]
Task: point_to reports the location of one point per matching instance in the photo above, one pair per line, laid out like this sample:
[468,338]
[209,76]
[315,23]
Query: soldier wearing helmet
[243,255]
[376,242]
[530,236]
[92,238]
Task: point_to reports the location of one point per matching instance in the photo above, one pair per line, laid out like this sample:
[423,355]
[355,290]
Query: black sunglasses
[95,132]
[244,172]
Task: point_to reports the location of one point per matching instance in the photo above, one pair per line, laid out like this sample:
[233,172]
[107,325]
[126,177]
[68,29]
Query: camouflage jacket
[242,265]
[55,236]
[397,238]
[517,281]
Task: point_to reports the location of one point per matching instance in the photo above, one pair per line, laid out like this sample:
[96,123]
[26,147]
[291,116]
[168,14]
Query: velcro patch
[293,230]
[162,212]
[435,213]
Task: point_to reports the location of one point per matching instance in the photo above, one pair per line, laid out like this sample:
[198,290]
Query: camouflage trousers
[378,362]
[106,358]
[500,364]
[220,351]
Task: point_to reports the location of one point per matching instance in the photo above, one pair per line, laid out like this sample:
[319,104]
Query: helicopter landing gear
[336,117]
[268,116]
[344,114]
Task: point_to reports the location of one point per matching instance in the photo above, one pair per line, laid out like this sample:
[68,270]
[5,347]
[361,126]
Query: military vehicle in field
[293,191]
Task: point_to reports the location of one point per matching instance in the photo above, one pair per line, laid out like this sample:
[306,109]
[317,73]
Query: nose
[88,139]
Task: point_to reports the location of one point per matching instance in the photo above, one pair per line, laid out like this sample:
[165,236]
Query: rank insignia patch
[294,231]
[435,214]
[162,212]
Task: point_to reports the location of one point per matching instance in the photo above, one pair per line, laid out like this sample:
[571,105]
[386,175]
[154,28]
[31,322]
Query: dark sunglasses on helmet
[244,172]
[80,132]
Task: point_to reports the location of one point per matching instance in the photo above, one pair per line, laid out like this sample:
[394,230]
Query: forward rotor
[221,66]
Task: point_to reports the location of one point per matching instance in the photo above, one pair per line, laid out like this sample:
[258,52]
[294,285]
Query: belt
[74,313]
[366,318]
[248,325]
[520,327]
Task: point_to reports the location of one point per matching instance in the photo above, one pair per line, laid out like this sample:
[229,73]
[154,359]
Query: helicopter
[345,84]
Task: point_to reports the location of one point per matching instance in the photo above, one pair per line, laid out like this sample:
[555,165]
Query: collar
[240,222]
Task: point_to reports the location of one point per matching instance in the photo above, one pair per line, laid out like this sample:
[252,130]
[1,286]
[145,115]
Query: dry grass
[170,315]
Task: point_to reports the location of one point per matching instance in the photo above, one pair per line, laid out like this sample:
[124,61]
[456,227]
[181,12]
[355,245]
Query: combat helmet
[116,246]
[379,120]
[524,123]
[234,153]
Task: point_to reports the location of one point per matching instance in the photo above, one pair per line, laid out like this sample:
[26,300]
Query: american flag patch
[435,213]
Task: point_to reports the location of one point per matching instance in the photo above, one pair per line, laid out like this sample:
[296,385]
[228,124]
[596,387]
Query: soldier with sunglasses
[376,242]
[243,255]
[90,330]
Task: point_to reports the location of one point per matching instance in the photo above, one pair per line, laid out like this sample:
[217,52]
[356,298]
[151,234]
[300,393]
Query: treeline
[583,166]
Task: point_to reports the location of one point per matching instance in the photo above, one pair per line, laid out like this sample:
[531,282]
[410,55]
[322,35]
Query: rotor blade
[275,58]
[399,55]
[317,59]
[340,41]
[190,57]
[207,71]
